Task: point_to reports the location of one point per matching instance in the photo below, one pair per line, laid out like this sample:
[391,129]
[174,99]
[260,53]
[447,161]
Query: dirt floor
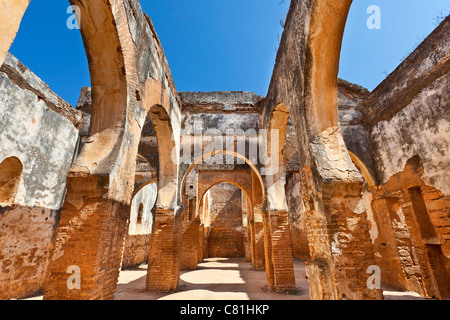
[224,279]
[215,279]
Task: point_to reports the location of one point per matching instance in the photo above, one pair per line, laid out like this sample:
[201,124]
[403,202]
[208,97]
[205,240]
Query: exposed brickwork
[268,262]
[351,247]
[189,246]
[136,250]
[339,242]
[226,237]
[420,254]
[257,225]
[162,252]
[25,240]
[95,227]
[281,253]
[299,238]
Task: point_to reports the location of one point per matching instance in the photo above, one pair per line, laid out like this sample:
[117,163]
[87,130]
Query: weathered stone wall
[305,81]
[142,205]
[407,120]
[356,141]
[408,114]
[207,115]
[350,96]
[300,246]
[136,250]
[226,238]
[41,130]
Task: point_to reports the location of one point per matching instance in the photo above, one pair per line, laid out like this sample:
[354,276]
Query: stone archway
[305,81]
[279,256]
[163,264]
[256,193]
[129,74]
[221,214]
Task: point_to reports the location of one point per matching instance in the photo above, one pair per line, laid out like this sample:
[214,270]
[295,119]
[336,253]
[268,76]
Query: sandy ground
[215,279]
[224,279]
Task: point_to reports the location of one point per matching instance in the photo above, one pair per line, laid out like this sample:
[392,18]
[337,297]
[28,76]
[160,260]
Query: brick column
[175,277]
[201,231]
[189,252]
[258,249]
[282,258]
[268,251]
[162,252]
[251,240]
[85,260]
[352,248]
[340,244]
[258,229]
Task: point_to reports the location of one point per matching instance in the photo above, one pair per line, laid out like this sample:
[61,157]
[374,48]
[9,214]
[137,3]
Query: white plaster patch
[422,128]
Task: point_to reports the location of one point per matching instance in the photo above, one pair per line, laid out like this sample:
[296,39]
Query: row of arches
[102,171]
[130,83]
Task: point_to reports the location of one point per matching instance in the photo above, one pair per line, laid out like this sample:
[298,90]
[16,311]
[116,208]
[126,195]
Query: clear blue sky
[215,45]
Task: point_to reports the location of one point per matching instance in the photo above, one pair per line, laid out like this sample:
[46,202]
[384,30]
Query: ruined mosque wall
[408,113]
[407,118]
[40,130]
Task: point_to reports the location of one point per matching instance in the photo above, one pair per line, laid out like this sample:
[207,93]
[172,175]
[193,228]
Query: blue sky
[214,45]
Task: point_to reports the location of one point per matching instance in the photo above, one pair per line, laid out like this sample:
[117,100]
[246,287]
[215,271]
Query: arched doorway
[198,179]
[100,183]
[10,174]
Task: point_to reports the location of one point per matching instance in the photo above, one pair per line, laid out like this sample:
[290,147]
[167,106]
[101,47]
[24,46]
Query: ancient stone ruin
[350,181]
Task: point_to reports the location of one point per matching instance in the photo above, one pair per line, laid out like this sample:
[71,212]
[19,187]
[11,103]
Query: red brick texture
[90,236]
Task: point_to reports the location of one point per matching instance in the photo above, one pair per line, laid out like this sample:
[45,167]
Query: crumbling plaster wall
[356,141]
[42,131]
[305,81]
[207,117]
[407,120]
[408,114]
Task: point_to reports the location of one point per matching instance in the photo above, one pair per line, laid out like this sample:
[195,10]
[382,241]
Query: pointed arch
[224,152]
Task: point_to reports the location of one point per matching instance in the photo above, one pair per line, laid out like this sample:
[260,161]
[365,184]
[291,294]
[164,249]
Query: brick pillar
[190,242]
[258,253]
[251,240]
[352,248]
[268,251]
[175,277]
[340,245]
[88,245]
[201,230]
[259,256]
[282,258]
[162,252]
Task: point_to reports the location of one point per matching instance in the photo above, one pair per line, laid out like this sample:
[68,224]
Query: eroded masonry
[319,169]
